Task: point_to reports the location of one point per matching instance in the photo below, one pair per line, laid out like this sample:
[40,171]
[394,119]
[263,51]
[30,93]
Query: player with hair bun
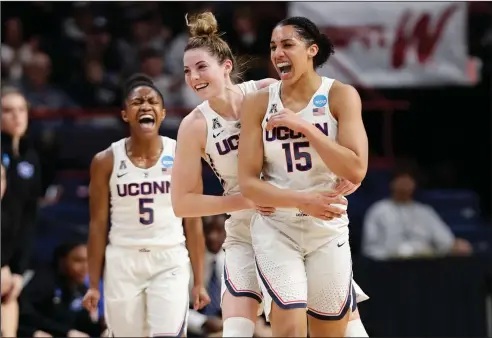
[211,132]
[146,263]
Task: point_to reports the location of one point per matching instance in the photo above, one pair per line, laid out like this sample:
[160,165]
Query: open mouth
[147,121]
[284,68]
[201,86]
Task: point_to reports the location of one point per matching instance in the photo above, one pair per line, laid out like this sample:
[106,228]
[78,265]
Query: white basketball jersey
[222,145]
[289,160]
[141,210]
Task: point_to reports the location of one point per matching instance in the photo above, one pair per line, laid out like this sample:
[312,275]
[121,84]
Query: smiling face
[144,111]
[290,55]
[204,74]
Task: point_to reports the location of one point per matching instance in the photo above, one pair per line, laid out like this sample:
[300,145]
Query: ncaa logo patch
[320,100]
[167,161]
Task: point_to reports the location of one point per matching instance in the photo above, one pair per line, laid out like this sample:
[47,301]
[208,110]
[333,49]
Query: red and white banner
[393,44]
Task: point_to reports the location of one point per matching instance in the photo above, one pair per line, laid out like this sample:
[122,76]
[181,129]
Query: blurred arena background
[423,71]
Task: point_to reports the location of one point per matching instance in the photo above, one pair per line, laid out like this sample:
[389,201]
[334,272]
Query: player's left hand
[345,187]
[286,118]
[200,297]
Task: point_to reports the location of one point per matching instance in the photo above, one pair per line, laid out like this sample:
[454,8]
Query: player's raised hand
[91,299]
[200,297]
[345,187]
[320,205]
[286,118]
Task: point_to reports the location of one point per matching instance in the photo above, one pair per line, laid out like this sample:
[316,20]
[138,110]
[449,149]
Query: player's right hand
[91,299]
[319,205]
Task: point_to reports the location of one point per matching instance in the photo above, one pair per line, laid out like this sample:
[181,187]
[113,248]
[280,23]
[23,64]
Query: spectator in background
[15,53]
[78,25]
[250,43]
[20,202]
[400,227]
[52,300]
[97,88]
[152,65]
[101,46]
[140,37]
[10,307]
[208,321]
[36,86]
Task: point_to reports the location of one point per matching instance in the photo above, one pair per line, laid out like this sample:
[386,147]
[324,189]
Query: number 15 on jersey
[295,155]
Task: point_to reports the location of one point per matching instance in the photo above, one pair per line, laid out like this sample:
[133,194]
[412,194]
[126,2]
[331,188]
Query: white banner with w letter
[393,44]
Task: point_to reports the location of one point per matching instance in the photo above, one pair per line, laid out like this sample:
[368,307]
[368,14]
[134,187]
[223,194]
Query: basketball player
[211,132]
[146,271]
[302,134]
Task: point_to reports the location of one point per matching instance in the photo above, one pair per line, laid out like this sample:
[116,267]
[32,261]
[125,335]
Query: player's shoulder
[343,91]
[260,96]
[194,121]
[265,83]
[255,85]
[193,127]
[103,160]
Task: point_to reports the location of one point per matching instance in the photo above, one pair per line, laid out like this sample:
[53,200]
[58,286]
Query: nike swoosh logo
[118,176]
[339,245]
[216,135]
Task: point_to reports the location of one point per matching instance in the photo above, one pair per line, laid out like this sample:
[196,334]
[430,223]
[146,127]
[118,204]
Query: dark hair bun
[203,24]
[325,50]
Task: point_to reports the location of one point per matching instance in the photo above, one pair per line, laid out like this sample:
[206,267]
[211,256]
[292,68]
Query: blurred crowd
[76,55]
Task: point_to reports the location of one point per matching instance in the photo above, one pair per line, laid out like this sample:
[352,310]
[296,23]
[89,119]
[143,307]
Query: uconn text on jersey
[284,133]
[143,188]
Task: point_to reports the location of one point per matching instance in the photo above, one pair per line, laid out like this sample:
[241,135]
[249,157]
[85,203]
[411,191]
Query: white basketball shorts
[146,291]
[240,277]
[304,265]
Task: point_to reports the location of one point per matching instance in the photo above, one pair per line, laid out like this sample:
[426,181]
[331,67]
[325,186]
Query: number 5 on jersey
[146,212]
[301,159]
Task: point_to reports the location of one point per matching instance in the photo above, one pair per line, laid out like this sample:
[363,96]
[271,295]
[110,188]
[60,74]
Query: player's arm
[187,175]
[251,158]
[100,172]
[263,83]
[348,156]
[195,242]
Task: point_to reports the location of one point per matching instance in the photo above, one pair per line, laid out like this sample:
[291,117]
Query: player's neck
[304,88]
[228,103]
[145,148]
